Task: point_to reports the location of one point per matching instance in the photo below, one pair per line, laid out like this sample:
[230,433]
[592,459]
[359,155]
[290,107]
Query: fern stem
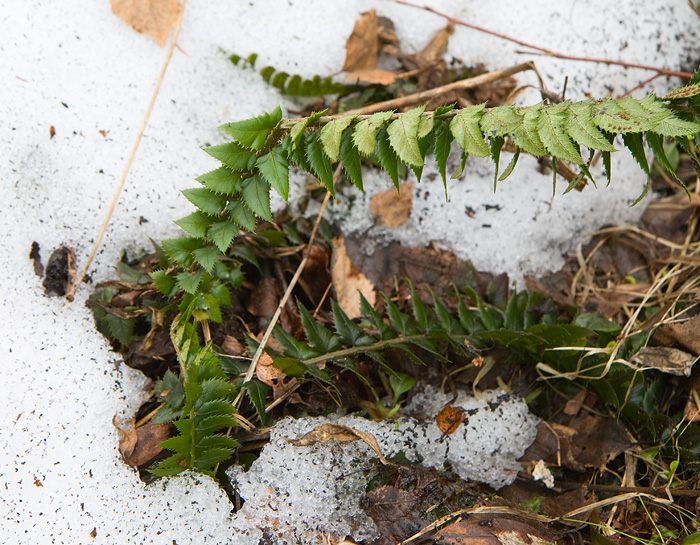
[376,347]
[416,98]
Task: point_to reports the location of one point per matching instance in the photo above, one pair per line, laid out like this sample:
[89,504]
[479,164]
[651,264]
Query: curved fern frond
[294,84]
[520,324]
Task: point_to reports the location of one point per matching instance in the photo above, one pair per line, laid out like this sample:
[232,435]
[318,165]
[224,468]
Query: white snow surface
[74,66]
[295,494]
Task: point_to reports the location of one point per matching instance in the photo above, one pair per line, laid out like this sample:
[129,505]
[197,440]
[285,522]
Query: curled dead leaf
[266,372]
[348,281]
[138,446]
[232,346]
[449,419]
[434,49]
[154,18]
[665,359]
[264,298]
[61,271]
[371,75]
[338,432]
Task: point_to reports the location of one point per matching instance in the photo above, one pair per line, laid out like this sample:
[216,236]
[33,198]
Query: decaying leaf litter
[623,284]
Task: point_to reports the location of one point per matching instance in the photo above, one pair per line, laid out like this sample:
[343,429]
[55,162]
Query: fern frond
[431,329]
[199,402]
[295,85]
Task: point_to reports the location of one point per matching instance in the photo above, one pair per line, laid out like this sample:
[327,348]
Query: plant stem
[545,51]
[379,345]
[287,293]
[71,294]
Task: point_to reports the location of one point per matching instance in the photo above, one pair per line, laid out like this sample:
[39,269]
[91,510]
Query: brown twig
[545,51]
[268,332]
[71,294]
[655,490]
[694,7]
[425,96]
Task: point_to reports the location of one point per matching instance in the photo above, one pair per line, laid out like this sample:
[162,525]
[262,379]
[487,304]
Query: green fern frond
[264,147]
[199,402]
[295,85]
[431,329]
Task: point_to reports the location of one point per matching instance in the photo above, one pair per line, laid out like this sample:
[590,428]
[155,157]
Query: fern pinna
[233,197]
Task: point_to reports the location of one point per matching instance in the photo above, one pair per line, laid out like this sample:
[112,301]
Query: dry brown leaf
[349,282]
[371,75]
[138,446]
[264,298]
[266,371]
[338,432]
[433,50]
[588,441]
[687,334]
[573,406]
[390,209]
[127,436]
[449,419]
[232,346]
[626,293]
[154,18]
[665,359]
[362,47]
[492,531]
[60,271]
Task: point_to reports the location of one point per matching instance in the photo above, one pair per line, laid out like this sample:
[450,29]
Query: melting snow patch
[293,494]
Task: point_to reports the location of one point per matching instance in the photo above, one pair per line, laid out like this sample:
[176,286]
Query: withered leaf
[154,18]
[138,446]
[232,346]
[348,281]
[687,334]
[60,271]
[390,209]
[362,47]
[665,359]
[588,441]
[433,50]
[373,75]
[264,298]
[266,372]
[492,531]
[449,419]
[339,432]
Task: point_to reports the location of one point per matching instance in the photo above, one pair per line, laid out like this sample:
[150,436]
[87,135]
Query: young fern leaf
[252,133]
[201,402]
[274,167]
[403,137]
[331,136]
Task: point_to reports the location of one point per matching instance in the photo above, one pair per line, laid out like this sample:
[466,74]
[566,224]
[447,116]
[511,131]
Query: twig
[425,96]
[287,293]
[545,51]
[644,490]
[71,294]
[694,7]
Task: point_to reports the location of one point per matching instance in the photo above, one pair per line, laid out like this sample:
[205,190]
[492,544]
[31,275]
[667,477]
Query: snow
[74,66]
[300,492]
